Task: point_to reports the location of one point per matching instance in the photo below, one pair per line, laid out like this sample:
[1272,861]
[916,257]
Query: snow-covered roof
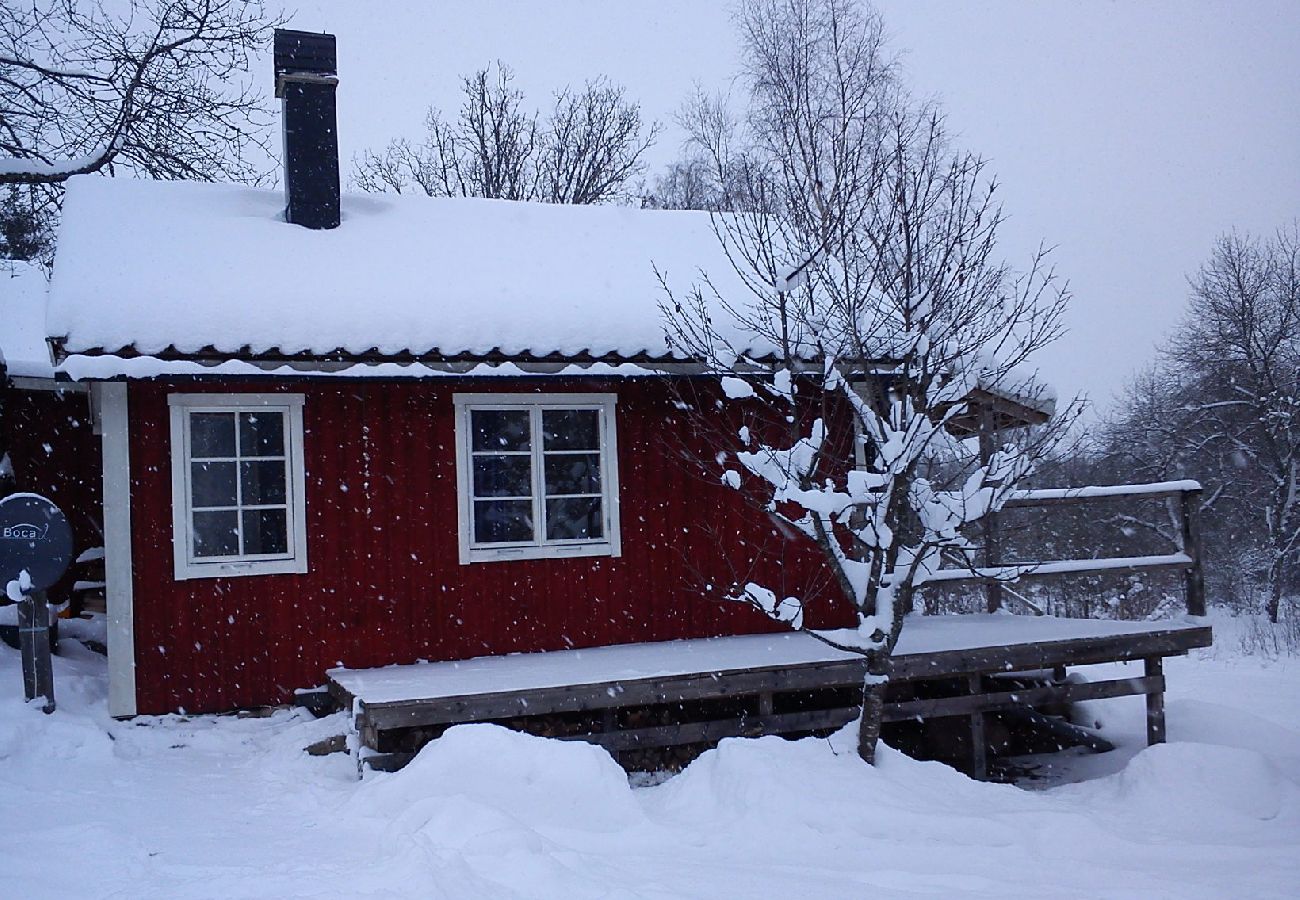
[22,321]
[166,277]
[172,266]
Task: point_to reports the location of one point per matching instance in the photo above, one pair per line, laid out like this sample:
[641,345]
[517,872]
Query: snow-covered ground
[221,806]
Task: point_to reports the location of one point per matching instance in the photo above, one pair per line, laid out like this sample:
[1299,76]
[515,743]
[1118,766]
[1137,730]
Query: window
[238,503]
[536,475]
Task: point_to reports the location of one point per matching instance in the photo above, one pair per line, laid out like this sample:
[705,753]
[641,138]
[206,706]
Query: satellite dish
[34,536]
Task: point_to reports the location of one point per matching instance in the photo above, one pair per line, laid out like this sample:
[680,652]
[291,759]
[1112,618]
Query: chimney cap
[304,52]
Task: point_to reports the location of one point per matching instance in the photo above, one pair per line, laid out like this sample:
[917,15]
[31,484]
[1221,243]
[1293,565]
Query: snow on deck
[158,264]
[628,662]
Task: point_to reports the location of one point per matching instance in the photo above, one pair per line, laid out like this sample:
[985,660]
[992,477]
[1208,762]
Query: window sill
[237,569]
[551,551]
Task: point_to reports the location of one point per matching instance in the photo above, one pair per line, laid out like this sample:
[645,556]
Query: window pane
[500,429]
[216,533]
[261,433]
[574,519]
[212,484]
[262,482]
[503,476]
[266,531]
[570,429]
[573,473]
[212,434]
[503,521]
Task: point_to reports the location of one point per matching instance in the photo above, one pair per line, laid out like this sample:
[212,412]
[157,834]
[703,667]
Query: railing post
[1194,577]
[987,436]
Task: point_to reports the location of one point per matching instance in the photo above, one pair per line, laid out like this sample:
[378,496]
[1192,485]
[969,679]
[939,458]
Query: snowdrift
[226,806]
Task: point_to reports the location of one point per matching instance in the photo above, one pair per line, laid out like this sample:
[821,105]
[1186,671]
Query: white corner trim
[113,414]
[607,404]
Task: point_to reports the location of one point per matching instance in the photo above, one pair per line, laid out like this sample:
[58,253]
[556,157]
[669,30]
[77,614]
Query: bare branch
[161,89]
[587,150]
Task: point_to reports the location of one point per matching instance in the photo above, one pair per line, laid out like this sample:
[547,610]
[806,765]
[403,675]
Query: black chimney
[306,73]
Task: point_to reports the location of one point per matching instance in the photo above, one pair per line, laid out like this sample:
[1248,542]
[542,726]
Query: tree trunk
[873,706]
[879,665]
[1275,577]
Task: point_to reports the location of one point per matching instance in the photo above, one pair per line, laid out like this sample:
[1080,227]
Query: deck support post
[368,735]
[609,725]
[979,765]
[1155,702]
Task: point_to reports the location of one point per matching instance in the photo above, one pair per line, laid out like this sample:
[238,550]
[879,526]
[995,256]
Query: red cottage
[370,430]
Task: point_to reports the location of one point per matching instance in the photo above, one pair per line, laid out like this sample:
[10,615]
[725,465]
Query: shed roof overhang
[1009,409]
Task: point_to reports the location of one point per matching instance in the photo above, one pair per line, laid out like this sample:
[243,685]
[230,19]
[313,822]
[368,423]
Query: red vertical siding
[385,585]
[56,453]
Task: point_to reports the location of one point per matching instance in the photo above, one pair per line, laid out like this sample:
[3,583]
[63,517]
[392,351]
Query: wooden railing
[1187,494]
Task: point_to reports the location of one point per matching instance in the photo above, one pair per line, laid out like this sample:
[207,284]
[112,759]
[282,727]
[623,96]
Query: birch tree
[874,302]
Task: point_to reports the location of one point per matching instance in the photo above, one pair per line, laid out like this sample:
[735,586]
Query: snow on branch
[1116,490]
[1062,567]
[784,609]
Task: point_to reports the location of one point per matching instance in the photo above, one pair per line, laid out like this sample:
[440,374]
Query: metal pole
[27,644]
[34,641]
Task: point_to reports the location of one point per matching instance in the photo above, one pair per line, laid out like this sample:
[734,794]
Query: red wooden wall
[56,453]
[385,585]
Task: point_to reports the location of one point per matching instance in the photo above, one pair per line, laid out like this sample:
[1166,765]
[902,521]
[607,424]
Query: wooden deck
[642,696]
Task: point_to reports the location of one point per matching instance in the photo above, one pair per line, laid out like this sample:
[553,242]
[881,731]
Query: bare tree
[685,184]
[719,172]
[1223,403]
[588,149]
[157,87]
[593,145]
[1238,353]
[1152,435]
[874,303]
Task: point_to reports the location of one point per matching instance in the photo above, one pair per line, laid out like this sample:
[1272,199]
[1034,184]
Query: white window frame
[185,564]
[540,548]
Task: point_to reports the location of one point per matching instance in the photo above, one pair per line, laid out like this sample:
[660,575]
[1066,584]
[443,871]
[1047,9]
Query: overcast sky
[1127,135]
